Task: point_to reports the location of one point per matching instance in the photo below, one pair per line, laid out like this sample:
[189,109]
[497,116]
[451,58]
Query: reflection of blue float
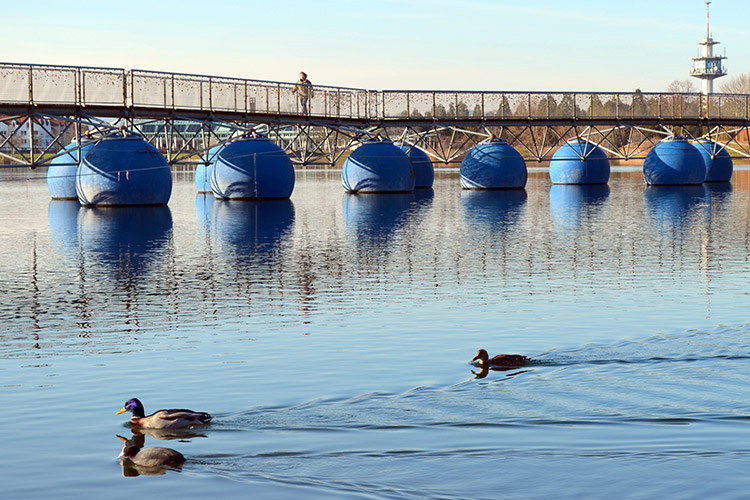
[61,175]
[492,209]
[203,172]
[63,226]
[376,216]
[718,161]
[124,171]
[674,162]
[579,162]
[493,165]
[423,170]
[250,226]
[128,237]
[423,197]
[204,204]
[569,203]
[378,167]
[673,205]
[719,188]
[252,168]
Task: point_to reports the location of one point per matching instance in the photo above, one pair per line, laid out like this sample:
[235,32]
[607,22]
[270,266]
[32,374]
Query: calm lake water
[331,334]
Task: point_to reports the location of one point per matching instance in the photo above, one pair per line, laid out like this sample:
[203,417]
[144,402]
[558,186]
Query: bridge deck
[111,92]
[445,124]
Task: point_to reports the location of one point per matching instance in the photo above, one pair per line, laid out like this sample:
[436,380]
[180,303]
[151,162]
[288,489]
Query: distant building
[707,66]
[45,132]
[181,134]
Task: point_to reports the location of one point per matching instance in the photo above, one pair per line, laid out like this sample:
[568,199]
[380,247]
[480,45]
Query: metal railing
[37,85]
[563,105]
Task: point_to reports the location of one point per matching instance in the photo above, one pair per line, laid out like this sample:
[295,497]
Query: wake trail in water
[726,343]
[670,379]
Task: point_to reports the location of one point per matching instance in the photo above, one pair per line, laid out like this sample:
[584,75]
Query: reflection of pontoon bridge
[183,133]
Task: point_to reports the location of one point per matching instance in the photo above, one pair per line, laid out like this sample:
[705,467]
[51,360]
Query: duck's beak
[475,358]
[122,438]
[122,411]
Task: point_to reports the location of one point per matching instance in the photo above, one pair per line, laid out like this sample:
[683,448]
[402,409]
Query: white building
[45,132]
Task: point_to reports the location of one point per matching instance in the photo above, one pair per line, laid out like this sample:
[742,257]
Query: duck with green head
[164,419]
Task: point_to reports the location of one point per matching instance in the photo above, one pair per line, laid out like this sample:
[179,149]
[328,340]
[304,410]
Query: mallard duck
[164,419]
[483,359]
[155,456]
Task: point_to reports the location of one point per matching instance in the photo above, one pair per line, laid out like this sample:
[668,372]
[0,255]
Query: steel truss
[447,144]
[188,141]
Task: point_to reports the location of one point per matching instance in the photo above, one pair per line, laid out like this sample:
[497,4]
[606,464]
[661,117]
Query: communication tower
[708,66]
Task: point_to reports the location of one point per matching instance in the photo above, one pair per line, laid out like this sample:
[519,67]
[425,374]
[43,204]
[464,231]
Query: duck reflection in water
[154,461]
[485,370]
[167,434]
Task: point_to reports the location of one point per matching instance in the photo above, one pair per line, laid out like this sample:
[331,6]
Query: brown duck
[483,359]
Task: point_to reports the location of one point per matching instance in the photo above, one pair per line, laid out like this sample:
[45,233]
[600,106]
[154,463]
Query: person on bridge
[305,91]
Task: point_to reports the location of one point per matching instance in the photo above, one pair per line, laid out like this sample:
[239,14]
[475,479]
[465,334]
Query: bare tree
[681,86]
[739,84]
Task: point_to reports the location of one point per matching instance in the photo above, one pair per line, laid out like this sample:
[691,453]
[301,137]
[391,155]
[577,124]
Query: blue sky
[388,44]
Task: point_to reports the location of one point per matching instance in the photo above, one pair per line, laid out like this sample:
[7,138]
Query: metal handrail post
[81,97]
[76,87]
[718,106]
[173,106]
[31,86]
[528,104]
[548,106]
[658,107]
[617,106]
[125,89]
[210,94]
